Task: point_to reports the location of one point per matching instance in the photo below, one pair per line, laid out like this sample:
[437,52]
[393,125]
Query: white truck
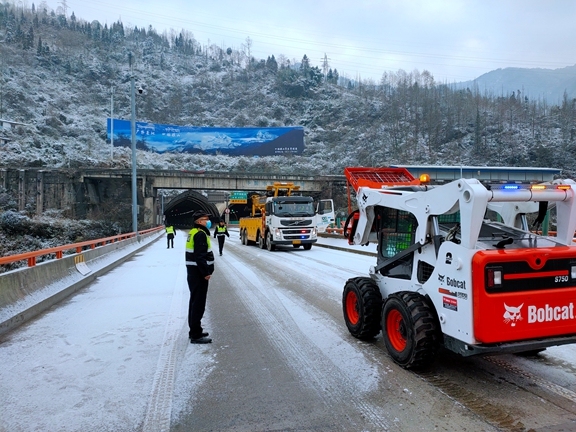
[281,218]
[459,267]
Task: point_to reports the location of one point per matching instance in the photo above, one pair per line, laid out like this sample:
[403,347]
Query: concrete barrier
[27,292]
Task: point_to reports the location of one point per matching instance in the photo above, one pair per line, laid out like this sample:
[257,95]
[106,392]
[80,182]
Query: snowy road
[115,357]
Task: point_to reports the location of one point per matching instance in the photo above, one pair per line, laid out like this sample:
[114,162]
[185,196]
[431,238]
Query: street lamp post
[134,182]
[112,123]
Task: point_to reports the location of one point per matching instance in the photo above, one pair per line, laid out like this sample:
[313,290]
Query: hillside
[57,73]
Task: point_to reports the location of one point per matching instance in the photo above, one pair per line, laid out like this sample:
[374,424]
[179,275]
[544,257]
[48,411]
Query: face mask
[209,224]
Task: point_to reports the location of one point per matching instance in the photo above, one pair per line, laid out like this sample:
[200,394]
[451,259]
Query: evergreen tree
[305,65]
[28,41]
[271,64]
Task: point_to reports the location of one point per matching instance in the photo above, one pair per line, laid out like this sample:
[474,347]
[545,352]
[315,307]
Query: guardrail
[340,231]
[79,247]
[335,230]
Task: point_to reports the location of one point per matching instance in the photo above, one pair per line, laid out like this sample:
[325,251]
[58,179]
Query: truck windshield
[292,208]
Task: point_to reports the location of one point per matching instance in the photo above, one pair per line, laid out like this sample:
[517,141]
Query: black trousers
[170,239]
[198,291]
[221,243]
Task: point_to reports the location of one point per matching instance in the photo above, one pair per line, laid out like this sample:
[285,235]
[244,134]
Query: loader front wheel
[361,304]
[410,330]
[244,238]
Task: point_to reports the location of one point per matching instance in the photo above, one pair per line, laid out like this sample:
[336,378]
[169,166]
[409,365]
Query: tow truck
[281,218]
[458,266]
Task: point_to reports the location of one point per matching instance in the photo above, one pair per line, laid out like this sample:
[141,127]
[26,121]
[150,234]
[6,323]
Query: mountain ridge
[548,84]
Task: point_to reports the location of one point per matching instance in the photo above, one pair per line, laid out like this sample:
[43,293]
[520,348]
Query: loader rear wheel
[361,304]
[410,330]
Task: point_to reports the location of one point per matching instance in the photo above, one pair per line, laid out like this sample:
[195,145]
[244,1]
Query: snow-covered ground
[116,356]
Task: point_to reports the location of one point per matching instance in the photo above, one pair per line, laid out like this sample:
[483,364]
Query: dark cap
[200,214]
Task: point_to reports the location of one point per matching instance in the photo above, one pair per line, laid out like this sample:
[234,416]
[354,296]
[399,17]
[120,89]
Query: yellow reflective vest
[199,251]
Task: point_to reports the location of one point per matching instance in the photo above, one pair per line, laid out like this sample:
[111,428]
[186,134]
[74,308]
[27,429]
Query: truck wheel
[269,244]
[295,246]
[243,238]
[361,304]
[261,241]
[410,330]
[308,246]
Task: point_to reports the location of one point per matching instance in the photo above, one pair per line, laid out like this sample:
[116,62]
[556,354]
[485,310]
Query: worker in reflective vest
[170,233]
[220,233]
[199,267]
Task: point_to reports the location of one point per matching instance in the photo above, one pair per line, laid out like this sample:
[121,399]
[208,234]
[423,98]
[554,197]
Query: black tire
[361,304]
[295,246]
[308,246]
[269,244]
[244,238]
[261,241]
[410,330]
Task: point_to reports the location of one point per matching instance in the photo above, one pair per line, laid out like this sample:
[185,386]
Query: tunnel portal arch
[178,212]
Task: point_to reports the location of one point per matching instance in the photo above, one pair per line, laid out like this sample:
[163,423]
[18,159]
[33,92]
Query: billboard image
[161,138]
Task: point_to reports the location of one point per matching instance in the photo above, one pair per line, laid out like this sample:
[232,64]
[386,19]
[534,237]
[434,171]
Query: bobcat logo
[441,278]
[512,314]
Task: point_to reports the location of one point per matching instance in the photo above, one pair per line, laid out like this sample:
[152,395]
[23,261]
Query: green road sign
[238,197]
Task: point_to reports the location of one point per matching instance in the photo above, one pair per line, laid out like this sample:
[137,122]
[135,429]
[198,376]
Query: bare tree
[248,51]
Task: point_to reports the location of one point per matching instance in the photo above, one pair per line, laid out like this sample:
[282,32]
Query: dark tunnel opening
[179,210]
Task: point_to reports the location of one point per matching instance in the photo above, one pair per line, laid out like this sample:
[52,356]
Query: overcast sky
[456,40]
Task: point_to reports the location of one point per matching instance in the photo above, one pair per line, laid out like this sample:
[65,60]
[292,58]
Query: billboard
[161,138]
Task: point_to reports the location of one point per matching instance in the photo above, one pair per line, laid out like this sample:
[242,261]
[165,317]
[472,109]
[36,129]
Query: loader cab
[396,233]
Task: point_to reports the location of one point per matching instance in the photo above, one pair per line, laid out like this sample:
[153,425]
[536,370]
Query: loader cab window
[396,232]
[449,225]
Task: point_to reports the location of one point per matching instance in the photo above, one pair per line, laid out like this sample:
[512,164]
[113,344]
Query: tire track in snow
[334,388]
[159,408]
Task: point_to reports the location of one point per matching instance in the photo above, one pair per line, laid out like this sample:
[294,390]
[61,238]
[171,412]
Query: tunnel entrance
[179,210]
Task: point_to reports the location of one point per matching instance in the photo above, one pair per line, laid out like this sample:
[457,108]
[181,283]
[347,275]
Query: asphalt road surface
[116,357]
